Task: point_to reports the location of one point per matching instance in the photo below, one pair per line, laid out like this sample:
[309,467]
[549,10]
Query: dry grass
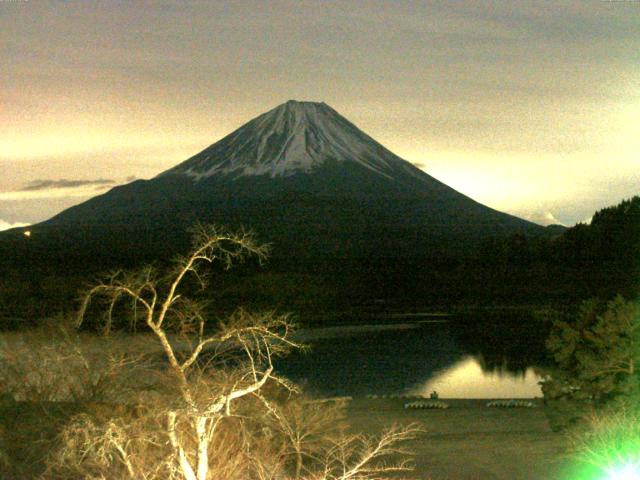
[54,362]
[469,441]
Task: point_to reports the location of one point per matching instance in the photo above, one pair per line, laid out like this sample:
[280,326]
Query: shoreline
[470,441]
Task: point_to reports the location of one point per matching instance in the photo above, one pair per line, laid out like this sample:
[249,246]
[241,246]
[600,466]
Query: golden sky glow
[529,107]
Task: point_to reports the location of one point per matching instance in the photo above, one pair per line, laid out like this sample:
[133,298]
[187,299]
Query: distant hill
[599,259]
[606,251]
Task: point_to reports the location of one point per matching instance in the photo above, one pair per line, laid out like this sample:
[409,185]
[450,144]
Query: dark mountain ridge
[306,180]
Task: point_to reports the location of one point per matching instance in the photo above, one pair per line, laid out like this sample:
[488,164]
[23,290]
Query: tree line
[600,258]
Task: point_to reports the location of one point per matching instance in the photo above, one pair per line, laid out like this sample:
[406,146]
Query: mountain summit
[305,179]
[295,137]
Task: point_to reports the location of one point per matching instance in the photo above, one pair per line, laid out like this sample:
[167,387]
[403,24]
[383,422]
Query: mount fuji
[303,178]
[294,138]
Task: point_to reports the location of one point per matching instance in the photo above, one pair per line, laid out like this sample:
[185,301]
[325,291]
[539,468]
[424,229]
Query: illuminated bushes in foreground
[597,360]
[594,390]
[210,404]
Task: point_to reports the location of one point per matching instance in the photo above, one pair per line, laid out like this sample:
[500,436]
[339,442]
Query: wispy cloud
[4,225]
[64,183]
[49,188]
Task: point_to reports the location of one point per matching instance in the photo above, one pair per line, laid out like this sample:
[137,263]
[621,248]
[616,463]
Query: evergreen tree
[597,357]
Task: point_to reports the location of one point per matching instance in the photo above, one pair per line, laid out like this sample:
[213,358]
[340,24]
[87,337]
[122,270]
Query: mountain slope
[307,180]
[294,138]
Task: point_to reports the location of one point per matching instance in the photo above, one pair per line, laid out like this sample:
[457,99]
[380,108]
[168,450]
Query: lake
[470,358]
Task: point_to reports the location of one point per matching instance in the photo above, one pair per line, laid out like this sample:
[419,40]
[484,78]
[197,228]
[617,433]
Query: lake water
[456,360]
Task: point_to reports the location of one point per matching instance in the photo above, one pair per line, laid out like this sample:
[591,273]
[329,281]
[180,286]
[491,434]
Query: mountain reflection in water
[465,358]
[467,379]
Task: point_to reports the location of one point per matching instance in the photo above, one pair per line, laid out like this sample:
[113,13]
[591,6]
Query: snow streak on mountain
[295,137]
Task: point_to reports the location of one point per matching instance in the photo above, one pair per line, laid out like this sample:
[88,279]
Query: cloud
[47,188]
[64,183]
[4,225]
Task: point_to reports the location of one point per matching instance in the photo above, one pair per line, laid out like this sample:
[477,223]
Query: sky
[530,107]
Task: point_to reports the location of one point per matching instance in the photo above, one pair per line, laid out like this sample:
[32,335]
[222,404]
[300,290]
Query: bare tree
[217,416]
[357,457]
[324,451]
[164,308]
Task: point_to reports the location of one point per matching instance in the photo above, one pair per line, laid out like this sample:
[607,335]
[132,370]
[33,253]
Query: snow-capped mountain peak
[308,181]
[295,137]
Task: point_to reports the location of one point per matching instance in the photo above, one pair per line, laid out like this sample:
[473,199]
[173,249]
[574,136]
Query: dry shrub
[118,441]
[53,362]
[216,408]
[291,437]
